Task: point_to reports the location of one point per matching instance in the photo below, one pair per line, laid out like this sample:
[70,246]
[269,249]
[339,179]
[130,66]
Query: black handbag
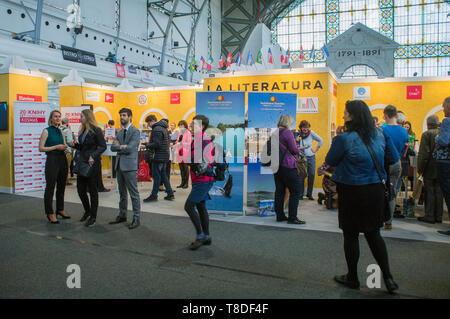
[81,167]
[388,187]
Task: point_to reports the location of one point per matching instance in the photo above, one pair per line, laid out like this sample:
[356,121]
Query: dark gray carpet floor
[152,261]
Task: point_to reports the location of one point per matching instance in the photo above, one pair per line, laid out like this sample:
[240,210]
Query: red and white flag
[229,59]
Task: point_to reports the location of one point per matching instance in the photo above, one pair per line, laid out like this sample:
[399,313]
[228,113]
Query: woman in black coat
[90,146]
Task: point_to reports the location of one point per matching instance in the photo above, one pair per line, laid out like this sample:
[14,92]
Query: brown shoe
[387,227]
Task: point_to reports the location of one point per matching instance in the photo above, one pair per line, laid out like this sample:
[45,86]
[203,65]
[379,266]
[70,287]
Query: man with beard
[126,145]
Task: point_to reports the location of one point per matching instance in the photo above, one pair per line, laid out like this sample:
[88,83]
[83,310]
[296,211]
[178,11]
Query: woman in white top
[305,140]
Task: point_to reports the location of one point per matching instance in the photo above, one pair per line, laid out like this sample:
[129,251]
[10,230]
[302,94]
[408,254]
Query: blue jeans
[443,176]
[311,175]
[160,175]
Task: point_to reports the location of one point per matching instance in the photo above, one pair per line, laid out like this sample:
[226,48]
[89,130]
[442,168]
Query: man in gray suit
[126,145]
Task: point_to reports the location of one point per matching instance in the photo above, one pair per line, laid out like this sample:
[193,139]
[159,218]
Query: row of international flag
[284,58]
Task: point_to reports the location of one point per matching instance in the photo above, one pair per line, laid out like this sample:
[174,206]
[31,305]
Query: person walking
[68,135]
[159,143]
[202,181]
[126,145]
[52,142]
[442,156]
[91,145]
[358,155]
[286,177]
[426,167]
[182,151]
[305,140]
[399,137]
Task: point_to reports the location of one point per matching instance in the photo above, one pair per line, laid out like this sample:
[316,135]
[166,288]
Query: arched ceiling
[239,18]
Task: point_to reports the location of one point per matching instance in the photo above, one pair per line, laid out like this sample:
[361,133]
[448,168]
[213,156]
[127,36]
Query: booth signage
[269,87]
[308,105]
[132,69]
[30,119]
[361,93]
[93,96]
[142,99]
[73,114]
[79,56]
[175,98]
[109,97]
[29,98]
[148,77]
[414,92]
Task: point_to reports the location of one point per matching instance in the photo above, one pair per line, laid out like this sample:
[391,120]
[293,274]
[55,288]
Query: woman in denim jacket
[360,191]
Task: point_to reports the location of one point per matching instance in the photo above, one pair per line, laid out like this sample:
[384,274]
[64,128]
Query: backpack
[220,164]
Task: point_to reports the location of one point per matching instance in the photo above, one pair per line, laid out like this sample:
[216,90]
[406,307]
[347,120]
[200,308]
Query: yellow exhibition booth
[321,100]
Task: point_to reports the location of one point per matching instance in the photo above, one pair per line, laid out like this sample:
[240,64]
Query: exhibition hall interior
[224,149]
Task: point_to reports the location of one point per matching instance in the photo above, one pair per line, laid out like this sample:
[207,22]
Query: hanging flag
[239,59]
[300,55]
[221,60]
[270,59]
[259,57]
[192,65]
[286,60]
[209,63]
[202,60]
[229,59]
[313,53]
[282,57]
[325,50]
[249,59]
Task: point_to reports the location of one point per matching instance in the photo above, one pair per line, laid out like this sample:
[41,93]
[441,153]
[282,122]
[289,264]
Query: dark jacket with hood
[159,144]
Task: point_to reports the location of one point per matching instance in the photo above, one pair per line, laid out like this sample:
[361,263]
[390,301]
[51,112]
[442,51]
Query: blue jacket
[352,160]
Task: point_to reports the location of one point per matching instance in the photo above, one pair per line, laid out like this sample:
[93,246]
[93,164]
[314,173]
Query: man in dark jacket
[159,144]
[426,166]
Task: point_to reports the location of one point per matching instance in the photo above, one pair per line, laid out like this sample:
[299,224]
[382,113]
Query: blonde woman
[286,176]
[90,146]
[52,142]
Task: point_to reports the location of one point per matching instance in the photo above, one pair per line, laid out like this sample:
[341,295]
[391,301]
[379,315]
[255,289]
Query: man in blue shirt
[443,157]
[399,137]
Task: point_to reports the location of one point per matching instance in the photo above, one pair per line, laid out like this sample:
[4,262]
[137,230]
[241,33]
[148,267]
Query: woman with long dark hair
[182,151]
[53,143]
[202,181]
[90,145]
[360,190]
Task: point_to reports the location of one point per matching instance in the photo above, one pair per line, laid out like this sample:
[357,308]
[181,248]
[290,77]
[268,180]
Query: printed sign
[30,119]
[109,97]
[308,105]
[175,98]
[361,93]
[143,99]
[73,113]
[29,98]
[93,96]
[414,92]
[132,69]
[147,77]
[120,69]
[79,56]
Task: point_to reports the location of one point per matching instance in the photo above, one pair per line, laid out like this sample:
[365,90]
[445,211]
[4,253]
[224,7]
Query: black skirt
[360,207]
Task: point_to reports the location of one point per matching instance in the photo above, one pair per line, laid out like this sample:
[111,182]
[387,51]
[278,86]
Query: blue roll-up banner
[264,111]
[226,114]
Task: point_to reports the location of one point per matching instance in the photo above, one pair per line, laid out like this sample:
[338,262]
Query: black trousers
[99,178]
[55,176]
[184,170]
[88,185]
[287,178]
[200,219]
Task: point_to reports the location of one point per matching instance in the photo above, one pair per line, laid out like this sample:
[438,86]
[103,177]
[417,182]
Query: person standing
[399,137]
[91,145]
[68,135]
[202,182]
[100,186]
[126,145]
[426,166]
[182,151]
[173,133]
[442,155]
[360,189]
[159,143]
[52,142]
[305,139]
[286,177]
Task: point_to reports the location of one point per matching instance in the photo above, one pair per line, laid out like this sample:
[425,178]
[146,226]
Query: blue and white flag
[325,50]
[239,59]
[313,53]
[249,59]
